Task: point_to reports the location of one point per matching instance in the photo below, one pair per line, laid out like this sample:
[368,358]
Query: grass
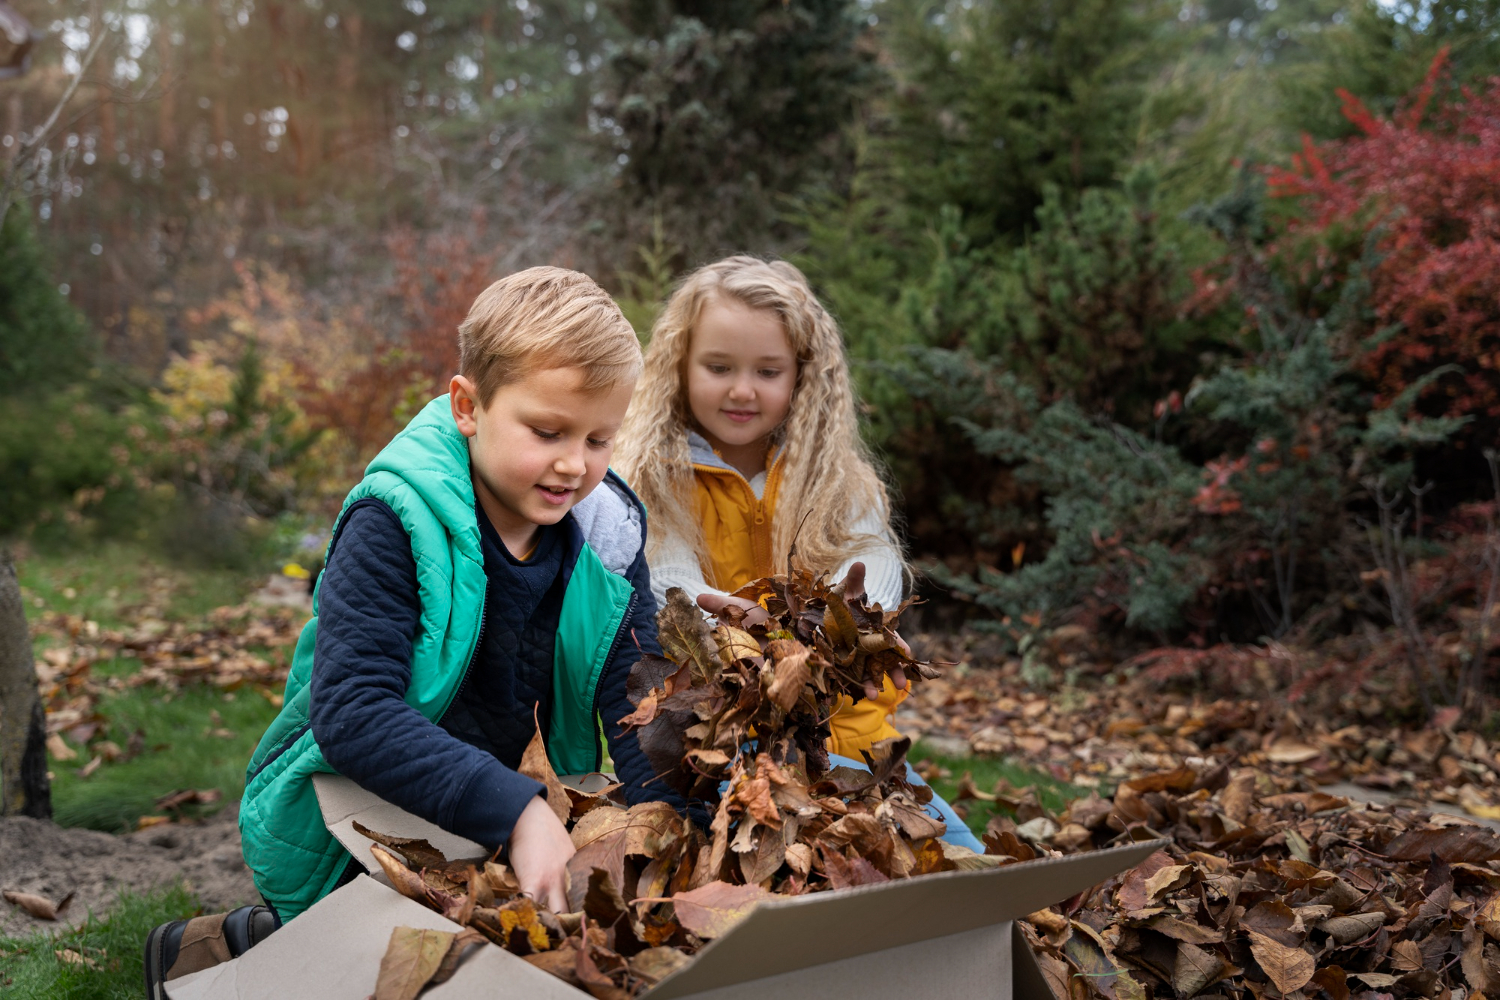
[107,580]
[30,966]
[184,748]
[197,737]
[986,772]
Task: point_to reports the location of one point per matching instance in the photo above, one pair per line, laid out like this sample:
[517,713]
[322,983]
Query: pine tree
[713,109]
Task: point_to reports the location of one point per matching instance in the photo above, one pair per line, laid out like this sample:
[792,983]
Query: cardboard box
[948,935]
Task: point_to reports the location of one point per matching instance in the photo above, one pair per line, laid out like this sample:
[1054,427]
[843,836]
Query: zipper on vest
[473,659]
[608,662]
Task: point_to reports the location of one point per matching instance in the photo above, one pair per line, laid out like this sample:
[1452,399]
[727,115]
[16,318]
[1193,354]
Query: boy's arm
[632,768]
[368,616]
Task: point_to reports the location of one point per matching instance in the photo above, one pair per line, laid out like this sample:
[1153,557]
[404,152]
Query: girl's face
[740,373]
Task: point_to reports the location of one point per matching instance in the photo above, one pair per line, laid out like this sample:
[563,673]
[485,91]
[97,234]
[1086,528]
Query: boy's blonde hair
[828,479]
[541,318]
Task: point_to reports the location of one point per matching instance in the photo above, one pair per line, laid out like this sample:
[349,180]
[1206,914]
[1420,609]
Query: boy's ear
[463,397]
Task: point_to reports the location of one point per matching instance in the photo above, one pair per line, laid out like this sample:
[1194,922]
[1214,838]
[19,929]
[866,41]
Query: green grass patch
[183,735]
[986,772]
[113,943]
[110,579]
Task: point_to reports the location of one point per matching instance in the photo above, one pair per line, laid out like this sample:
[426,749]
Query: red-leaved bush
[1427,182]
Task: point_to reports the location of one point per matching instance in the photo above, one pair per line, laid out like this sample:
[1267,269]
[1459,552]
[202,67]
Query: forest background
[1176,324]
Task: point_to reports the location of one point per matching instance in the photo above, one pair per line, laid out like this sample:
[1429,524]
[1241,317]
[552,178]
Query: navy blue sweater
[460,772]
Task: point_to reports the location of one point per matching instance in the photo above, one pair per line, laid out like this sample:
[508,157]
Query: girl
[742,440]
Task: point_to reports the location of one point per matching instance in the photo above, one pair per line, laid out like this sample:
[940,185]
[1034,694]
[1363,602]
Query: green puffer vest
[423,475]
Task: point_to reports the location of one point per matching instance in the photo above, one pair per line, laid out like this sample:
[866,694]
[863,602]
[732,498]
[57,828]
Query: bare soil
[41,857]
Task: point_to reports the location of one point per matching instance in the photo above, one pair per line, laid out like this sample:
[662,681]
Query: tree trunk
[24,788]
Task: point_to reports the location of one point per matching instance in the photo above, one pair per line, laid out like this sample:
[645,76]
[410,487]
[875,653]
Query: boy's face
[538,447]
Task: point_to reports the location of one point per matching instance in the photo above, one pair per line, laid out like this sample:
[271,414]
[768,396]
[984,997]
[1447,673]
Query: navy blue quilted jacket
[461,772]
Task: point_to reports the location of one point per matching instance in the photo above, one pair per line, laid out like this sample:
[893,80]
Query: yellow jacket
[737,528]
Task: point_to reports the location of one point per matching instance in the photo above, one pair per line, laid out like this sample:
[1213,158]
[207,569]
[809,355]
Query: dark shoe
[183,946]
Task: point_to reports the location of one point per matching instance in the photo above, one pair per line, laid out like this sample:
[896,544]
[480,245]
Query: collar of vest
[432,457]
[702,454]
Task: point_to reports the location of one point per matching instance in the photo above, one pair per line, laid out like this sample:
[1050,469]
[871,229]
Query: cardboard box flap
[343,802]
[797,932]
[333,952]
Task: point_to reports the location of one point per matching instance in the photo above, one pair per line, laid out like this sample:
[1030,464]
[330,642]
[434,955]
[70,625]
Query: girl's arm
[885,576]
[675,564]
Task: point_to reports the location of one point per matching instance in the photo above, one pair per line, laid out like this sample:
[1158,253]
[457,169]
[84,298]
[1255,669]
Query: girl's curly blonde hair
[828,478]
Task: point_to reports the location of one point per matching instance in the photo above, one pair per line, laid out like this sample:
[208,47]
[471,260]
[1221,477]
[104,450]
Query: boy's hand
[539,851]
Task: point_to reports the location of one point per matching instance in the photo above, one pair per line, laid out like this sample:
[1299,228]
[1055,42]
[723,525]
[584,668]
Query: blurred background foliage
[1150,302]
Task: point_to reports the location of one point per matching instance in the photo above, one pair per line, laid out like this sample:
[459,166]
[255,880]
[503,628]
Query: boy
[488,567]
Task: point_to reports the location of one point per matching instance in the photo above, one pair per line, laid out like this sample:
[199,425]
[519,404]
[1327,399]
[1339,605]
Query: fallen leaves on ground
[239,647]
[1268,891]
[38,906]
[1153,716]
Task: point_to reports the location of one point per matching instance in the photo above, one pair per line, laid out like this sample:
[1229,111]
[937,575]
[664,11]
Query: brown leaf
[1196,969]
[792,673]
[59,749]
[1167,879]
[535,765]
[1179,780]
[1354,927]
[644,714]
[1472,960]
[462,942]
[1133,894]
[599,985]
[602,902]
[418,853]
[1406,956]
[406,881]
[411,959]
[1237,797]
[559,963]
[1288,966]
[685,637]
[38,906]
[607,852]
[1332,980]
[1452,843]
[655,964]
[711,910]
[1183,930]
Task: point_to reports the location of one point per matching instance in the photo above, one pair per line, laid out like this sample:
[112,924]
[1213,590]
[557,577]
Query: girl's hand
[854,588]
[539,851]
[715,604]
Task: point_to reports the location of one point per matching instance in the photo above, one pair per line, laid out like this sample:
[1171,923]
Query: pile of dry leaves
[737,718]
[1268,893]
